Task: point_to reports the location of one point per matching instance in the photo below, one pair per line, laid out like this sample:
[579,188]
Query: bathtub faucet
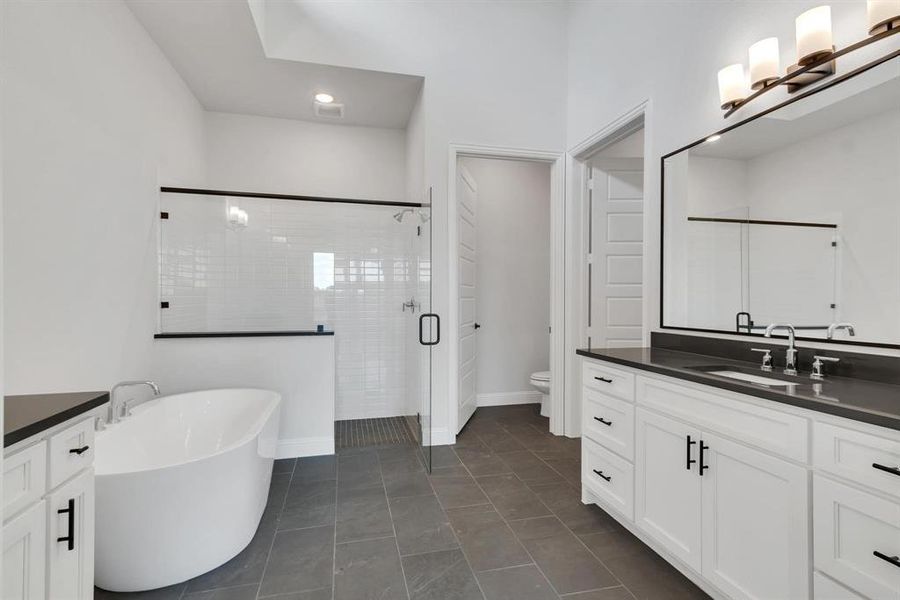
[116,411]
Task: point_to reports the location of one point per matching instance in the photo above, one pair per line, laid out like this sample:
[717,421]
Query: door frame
[559,275]
[578,173]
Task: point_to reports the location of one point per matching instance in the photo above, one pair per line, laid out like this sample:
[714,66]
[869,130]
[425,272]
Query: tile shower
[235,264]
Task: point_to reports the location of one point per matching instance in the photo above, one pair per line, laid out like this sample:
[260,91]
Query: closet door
[667,491]
[755,516]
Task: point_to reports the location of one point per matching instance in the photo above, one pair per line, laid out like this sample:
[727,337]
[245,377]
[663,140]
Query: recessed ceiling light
[324,98]
[714,138]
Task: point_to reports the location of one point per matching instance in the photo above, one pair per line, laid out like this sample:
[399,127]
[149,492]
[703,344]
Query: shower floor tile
[362,433]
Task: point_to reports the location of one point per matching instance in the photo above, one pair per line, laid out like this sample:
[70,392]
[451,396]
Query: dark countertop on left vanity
[30,414]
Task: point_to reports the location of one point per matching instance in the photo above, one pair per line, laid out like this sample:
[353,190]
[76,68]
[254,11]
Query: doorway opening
[609,221]
[507,216]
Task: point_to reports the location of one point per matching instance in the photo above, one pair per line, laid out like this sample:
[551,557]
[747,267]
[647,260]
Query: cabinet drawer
[826,589]
[765,428]
[608,380]
[865,458]
[24,478]
[608,421]
[71,450]
[850,525]
[608,476]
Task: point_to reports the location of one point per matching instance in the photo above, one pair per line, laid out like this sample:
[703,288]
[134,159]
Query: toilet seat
[541,376]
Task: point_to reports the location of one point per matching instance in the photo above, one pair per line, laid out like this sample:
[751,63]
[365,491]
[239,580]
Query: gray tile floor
[500,518]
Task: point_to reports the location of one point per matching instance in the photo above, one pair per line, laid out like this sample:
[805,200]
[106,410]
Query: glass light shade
[814,39]
[764,62]
[882,13]
[732,85]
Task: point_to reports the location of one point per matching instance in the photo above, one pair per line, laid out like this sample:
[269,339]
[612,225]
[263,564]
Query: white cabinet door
[70,539]
[857,538]
[667,492]
[755,515]
[23,555]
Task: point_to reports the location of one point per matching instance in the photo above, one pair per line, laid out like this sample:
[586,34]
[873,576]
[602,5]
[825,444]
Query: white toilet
[541,380]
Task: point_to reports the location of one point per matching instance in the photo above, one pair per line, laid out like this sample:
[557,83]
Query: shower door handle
[437,321]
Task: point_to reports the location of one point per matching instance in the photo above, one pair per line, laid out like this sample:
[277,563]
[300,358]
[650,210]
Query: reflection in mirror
[792,217]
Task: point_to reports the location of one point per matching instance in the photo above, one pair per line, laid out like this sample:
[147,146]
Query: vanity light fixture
[814,39]
[883,15]
[815,51]
[324,98]
[764,63]
[732,86]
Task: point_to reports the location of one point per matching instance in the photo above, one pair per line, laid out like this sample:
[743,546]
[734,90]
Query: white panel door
[755,523]
[667,486]
[467,194]
[615,313]
[70,562]
[24,543]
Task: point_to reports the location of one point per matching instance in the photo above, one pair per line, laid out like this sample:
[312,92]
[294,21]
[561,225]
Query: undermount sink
[740,375]
[751,378]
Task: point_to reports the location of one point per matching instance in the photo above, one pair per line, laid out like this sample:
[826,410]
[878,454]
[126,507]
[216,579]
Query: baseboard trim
[509,398]
[442,437]
[300,447]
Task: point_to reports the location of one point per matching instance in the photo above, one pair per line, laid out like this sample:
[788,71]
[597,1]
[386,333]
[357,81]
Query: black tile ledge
[873,402]
[235,334]
[28,415]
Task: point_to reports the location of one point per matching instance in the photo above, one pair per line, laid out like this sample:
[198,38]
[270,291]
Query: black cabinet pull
[79,451]
[886,469]
[600,473]
[703,465]
[70,538]
[690,460]
[603,379]
[894,560]
[607,423]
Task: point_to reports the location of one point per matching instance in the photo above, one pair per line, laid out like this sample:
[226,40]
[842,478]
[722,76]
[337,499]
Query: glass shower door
[429,326]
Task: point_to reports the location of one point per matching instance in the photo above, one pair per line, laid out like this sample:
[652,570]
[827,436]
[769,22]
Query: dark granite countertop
[863,400]
[28,415]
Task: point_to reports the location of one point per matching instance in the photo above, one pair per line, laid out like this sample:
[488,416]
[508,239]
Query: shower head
[399,216]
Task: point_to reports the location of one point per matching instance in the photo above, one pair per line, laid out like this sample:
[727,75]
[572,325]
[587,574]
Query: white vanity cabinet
[48,515]
[749,498]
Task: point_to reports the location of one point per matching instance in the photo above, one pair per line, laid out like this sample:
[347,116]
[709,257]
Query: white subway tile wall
[291,265]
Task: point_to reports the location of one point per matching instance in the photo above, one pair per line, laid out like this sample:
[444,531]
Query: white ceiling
[215,48]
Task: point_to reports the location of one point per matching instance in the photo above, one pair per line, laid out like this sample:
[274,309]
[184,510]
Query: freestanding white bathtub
[181,485]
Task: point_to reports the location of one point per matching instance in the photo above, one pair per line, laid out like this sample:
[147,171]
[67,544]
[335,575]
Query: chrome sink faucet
[790,367]
[116,408]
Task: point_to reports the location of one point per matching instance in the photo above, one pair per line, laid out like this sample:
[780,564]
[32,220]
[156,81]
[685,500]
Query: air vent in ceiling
[330,111]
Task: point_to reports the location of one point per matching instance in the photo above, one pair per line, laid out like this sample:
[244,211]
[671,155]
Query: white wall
[501,85]
[262,154]
[373,338]
[512,276]
[95,119]
[301,369]
[612,70]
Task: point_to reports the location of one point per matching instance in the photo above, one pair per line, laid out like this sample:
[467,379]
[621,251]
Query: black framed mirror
[791,216]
